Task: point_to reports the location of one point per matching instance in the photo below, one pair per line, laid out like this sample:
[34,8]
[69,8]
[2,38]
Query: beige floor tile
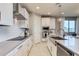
[39,50]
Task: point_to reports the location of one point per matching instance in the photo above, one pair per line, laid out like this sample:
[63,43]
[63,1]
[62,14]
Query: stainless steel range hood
[19,16]
[16,12]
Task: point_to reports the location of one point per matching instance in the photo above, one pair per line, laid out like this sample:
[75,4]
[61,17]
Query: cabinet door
[49,46]
[26,14]
[29,43]
[46,21]
[54,50]
[23,12]
[22,50]
[6,10]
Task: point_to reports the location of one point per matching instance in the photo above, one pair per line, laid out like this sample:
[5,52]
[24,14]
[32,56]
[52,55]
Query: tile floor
[39,49]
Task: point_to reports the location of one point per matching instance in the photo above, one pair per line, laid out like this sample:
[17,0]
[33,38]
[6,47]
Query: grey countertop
[8,46]
[72,43]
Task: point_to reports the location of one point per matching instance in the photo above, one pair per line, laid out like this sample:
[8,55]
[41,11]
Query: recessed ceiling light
[49,13]
[37,7]
[60,19]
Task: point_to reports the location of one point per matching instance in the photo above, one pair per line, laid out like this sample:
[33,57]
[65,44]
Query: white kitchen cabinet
[6,11]
[29,43]
[26,14]
[46,21]
[23,49]
[52,48]
[23,12]
[49,45]
[18,51]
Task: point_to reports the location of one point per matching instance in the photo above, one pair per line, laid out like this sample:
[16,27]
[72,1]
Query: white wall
[36,27]
[9,32]
[6,10]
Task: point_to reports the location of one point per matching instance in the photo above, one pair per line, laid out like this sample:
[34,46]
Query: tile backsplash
[8,32]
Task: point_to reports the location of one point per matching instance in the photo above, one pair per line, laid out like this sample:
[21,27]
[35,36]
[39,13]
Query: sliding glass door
[70,25]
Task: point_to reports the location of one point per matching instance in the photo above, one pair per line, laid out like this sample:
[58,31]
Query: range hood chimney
[16,12]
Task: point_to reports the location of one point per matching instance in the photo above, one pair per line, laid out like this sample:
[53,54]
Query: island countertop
[71,43]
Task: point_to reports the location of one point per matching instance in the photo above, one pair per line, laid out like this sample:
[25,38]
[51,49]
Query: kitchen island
[70,43]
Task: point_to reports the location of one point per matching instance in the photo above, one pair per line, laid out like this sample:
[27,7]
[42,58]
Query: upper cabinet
[24,12]
[6,14]
[46,21]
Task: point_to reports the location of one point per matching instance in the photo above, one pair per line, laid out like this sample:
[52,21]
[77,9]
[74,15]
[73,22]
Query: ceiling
[69,9]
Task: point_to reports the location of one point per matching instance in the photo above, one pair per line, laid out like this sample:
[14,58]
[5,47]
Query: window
[66,25]
[70,25]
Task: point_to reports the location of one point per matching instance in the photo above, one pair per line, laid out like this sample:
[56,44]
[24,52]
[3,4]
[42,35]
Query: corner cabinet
[6,13]
[24,12]
[23,49]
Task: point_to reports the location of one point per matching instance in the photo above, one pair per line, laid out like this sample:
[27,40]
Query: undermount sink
[58,38]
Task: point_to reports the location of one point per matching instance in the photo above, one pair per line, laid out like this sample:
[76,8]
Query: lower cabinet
[49,46]
[52,48]
[23,49]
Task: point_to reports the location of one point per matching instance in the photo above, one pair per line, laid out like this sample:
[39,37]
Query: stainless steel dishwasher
[62,51]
